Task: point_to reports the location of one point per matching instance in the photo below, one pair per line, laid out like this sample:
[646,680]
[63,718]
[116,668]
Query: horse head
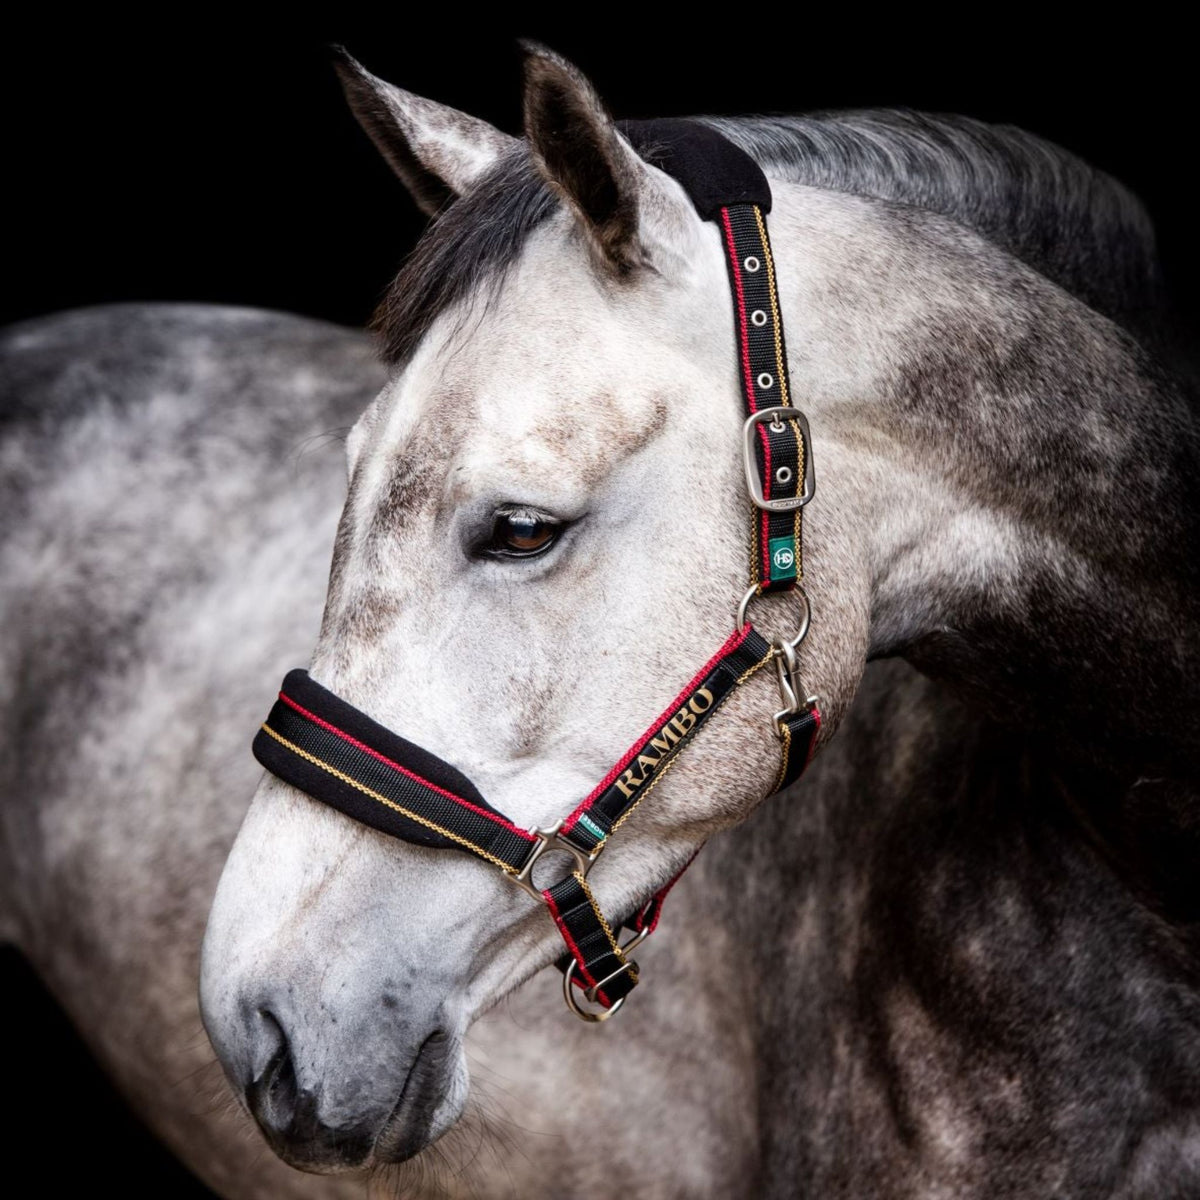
[545,532]
[546,527]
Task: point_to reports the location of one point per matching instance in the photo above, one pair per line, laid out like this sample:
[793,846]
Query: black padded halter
[339,755]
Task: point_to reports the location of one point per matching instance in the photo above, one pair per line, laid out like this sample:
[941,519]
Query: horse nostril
[273,1095]
[287,1112]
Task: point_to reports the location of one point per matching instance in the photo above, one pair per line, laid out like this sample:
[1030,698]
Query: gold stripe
[675,757]
[787,750]
[780,366]
[608,933]
[784,394]
[454,837]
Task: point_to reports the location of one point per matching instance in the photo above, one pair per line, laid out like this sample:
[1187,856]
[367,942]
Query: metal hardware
[805,614]
[751,592]
[758,317]
[766,381]
[784,653]
[604,1013]
[786,673]
[783,475]
[751,264]
[777,417]
[549,842]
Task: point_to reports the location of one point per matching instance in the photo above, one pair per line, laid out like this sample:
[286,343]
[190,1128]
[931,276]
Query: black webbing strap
[329,749]
[727,186]
[798,732]
[647,760]
[335,753]
[601,966]
[317,742]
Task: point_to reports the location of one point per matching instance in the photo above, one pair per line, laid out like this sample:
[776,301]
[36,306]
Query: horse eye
[522,535]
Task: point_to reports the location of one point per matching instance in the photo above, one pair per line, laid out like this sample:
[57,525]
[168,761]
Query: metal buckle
[777,417]
[549,841]
[602,1014]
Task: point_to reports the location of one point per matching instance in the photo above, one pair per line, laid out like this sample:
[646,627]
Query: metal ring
[549,842]
[758,317]
[582,1013]
[805,614]
[569,995]
[805,617]
[783,475]
[751,592]
[751,264]
[766,380]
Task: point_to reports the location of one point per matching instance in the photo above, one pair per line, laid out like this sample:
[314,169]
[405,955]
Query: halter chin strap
[337,754]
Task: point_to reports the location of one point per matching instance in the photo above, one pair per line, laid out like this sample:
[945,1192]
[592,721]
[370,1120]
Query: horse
[957,958]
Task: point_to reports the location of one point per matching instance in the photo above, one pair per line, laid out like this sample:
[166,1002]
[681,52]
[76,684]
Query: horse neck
[1018,474]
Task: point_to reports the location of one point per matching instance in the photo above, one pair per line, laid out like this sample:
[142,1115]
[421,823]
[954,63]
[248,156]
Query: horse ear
[620,201]
[437,151]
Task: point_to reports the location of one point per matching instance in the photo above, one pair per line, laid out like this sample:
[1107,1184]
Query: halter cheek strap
[729,188]
[337,754]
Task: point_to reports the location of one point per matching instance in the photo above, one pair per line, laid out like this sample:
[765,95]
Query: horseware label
[783,559]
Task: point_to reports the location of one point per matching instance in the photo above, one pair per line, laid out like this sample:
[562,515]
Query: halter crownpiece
[337,754]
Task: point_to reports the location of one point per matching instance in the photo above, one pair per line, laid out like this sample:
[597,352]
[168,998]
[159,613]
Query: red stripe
[661,895]
[734,640]
[744,337]
[483,812]
[741,306]
[576,953]
[812,744]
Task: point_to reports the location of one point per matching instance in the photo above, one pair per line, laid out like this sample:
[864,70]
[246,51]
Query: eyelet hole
[783,475]
[758,317]
[766,381]
[752,264]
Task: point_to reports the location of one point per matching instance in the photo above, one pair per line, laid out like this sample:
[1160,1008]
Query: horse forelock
[470,245]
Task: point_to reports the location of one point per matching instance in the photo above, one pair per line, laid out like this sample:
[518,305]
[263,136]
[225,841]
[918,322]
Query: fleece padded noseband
[326,747]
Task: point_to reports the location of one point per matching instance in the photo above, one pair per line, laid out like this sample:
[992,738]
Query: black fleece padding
[306,691]
[417,786]
[708,166]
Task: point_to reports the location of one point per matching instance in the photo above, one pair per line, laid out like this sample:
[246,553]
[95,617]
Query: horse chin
[432,1100]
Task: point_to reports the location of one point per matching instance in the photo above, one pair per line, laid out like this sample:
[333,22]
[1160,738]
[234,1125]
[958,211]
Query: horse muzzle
[322,1110]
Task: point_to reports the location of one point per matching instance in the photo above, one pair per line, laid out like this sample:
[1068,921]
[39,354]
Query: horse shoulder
[172,479]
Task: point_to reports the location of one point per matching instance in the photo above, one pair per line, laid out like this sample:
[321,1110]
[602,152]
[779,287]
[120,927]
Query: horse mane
[1071,222]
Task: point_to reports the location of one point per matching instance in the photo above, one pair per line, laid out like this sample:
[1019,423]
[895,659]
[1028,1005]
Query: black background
[207,161]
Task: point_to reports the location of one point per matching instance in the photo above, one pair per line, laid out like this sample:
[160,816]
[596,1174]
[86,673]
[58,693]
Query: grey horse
[958,959]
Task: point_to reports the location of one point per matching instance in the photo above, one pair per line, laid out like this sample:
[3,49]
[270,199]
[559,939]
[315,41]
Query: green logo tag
[782,552]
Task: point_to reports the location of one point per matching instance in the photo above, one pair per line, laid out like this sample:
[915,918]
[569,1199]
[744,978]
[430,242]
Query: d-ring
[602,1014]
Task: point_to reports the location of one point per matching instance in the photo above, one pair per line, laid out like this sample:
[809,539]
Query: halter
[337,754]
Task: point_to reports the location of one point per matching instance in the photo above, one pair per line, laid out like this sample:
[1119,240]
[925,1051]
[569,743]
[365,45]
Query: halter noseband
[320,744]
